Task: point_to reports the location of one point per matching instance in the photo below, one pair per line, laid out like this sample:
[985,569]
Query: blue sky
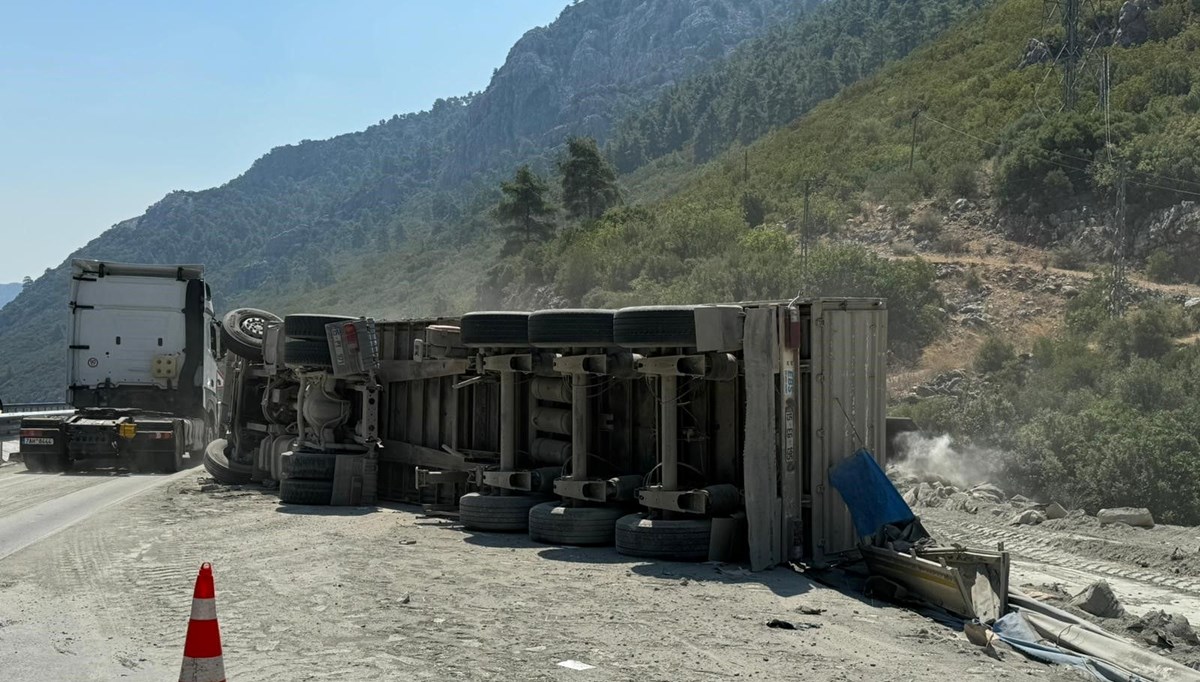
[106,107]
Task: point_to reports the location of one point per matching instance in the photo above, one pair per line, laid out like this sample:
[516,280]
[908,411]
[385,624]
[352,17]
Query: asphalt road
[36,506]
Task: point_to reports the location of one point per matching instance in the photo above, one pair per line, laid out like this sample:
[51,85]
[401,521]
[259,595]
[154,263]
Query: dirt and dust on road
[319,593]
[1149,570]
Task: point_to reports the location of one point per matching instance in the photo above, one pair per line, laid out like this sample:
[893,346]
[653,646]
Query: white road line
[33,524]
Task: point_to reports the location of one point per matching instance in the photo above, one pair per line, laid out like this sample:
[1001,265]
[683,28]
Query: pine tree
[589,183]
[523,210]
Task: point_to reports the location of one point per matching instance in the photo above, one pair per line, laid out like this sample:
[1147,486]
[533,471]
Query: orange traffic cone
[202,660]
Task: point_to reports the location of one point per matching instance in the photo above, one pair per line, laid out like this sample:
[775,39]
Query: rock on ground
[988,492]
[1131,516]
[1029,517]
[1055,510]
[1098,599]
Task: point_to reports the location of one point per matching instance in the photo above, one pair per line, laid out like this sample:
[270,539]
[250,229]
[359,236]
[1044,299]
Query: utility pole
[806,231]
[912,152]
[1118,298]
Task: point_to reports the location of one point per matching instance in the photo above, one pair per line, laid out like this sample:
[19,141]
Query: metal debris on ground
[778,624]
[1165,630]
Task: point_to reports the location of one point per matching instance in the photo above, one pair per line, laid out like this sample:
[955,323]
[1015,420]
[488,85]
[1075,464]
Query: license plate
[37,441]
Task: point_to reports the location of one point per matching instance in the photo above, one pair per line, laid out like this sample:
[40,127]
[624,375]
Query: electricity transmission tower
[1071,63]
[806,230]
[1074,53]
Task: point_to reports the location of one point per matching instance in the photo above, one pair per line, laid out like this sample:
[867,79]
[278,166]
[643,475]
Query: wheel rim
[254,327]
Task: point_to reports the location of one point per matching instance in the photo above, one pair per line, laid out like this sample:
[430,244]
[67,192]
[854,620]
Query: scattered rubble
[961,502]
[1098,599]
[953,384]
[1130,516]
[1165,630]
[988,493]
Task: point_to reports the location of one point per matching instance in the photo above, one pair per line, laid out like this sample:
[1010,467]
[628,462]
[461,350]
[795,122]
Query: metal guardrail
[10,422]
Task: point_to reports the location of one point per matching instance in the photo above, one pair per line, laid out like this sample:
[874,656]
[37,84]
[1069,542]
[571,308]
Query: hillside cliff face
[301,206]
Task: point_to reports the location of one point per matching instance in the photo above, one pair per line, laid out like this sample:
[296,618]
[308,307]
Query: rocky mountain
[302,208]
[8,292]
[596,63]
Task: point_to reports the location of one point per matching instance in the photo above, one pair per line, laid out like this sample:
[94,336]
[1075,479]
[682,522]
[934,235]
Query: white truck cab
[142,370]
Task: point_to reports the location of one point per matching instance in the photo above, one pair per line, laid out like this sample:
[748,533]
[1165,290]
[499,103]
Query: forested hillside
[8,292]
[773,80]
[305,212]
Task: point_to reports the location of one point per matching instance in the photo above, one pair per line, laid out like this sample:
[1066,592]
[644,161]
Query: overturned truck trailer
[681,432]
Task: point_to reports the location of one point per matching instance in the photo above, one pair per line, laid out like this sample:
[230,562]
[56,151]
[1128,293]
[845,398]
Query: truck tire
[306,353]
[309,326]
[554,523]
[655,326]
[501,513]
[168,462]
[303,491]
[242,332]
[217,464]
[312,466]
[35,463]
[48,462]
[581,327]
[639,535]
[494,329]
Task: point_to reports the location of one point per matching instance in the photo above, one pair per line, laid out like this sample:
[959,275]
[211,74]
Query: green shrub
[1070,257]
[1148,386]
[1167,21]
[994,355]
[1160,267]
[939,414]
[962,180]
[972,281]
[1171,79]
[1169,266]
[1144,333]
[1088,311]
[951,244]
[927,224]
[754,209]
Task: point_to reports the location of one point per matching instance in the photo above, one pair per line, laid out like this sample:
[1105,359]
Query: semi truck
[143,377]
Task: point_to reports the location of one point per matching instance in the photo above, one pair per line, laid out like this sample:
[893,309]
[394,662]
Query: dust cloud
[930,457]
